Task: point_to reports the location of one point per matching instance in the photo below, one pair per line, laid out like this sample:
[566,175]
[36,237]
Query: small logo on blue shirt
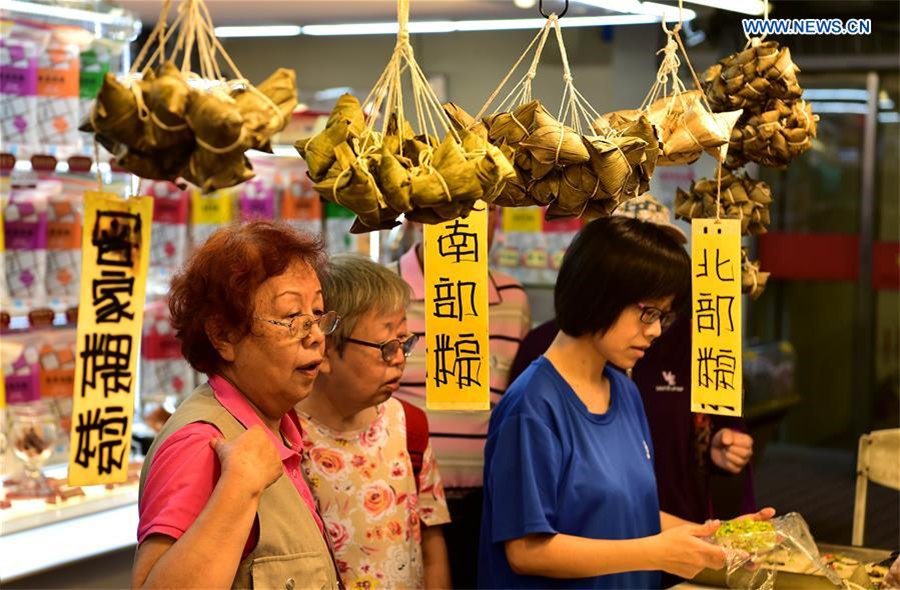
[646,449]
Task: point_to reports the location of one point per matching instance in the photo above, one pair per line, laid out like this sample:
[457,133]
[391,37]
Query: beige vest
[291,552]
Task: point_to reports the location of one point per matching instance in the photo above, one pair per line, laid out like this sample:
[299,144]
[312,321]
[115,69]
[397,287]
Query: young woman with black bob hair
[570,497]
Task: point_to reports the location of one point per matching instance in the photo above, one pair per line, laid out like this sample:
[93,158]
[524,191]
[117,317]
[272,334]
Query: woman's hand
[682,551]
[250,460]
[731,450]
[765,514]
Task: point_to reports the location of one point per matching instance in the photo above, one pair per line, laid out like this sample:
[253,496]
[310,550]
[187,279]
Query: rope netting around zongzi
[166,121]
[389,156]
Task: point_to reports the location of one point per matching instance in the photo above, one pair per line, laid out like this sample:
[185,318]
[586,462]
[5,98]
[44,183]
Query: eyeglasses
[650,314]
[389,349]
[299,326]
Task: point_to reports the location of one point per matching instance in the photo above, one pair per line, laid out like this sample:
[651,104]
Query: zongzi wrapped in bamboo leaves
[115,114]
[514,126]
[557,211]
[211,171]
[493,171]
[551,142]
[539,169]
[318,151]
[359,192]
[545,190]
[426,215]
[458,173]
[513,195]
[463,120]
[348,107]
[523,161]
[167,95]
[415,147]
[578,184]
[387,222]
[216,122]
[609,163]
[261,121]
[163,165]
[394,180]
[454,209]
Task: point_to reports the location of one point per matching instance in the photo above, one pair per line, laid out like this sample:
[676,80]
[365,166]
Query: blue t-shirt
[551,466]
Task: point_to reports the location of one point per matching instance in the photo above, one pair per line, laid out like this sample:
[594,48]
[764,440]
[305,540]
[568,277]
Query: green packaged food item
[752,536]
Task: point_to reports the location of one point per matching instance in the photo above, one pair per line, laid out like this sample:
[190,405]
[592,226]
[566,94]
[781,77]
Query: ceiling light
[524,4]
[117,17]
[390,28]
[259,31]
[751,7]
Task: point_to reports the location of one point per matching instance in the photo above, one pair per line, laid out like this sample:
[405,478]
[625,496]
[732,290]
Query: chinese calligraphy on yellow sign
[456,314]
[716,376]
[115,249]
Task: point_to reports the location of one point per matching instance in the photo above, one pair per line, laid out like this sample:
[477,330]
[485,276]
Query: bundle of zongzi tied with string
[379,175]
[753,280]
[164,128]
[776,126]
[568,171]
[686,128]
[741,198]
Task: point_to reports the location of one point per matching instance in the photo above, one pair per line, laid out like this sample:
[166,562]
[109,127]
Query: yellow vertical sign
[716,374]
[456,314]
[115,251]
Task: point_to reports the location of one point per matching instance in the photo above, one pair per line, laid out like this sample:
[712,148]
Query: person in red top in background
[458,438]
[689,447]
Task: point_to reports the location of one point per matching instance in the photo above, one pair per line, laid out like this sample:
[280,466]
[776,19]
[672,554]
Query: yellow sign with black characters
[456,314]
[115,252]
[716,374]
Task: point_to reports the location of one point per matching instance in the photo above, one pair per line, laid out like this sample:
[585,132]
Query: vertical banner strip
[115,253]
[716,358]
[456,314]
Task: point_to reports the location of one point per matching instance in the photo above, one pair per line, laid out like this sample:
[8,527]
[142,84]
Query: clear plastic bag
[753,550]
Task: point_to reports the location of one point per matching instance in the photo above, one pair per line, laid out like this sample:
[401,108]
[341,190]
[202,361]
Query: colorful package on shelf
[301,206]
[169,246]
[256,198]
[57,100]
[25,233]
[529,247]
[56,353]
[210,212]
[95,62]
[166,378]
[338,221]
[64,226]
[21,368]
[18,91]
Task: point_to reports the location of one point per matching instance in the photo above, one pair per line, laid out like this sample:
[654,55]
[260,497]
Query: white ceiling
[303,12]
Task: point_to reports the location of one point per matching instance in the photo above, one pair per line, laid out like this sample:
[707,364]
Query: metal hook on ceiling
[545,15]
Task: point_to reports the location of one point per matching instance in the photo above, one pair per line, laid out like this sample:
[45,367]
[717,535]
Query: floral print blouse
[365,487]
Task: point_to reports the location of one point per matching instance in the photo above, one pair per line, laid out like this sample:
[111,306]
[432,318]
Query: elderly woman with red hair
[223,502]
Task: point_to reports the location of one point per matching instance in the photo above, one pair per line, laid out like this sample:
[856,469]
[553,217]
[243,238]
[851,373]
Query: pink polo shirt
[185,470]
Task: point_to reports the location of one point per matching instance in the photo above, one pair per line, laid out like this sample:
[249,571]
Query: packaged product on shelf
[18,91]
[300,203]
[531,250]
[25,233]
[166,378]
[169,246]
[338,222]
[256,198]
[95,62]
[19,354]
[64,226]
[209,212]
[56,370]
[58,97]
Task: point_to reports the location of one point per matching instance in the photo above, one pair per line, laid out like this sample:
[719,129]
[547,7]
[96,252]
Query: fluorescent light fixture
[851,108]
[510,24]
[259,31]
[524,4]
[836,94]
[62,12]
[751,7]
[892,117]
